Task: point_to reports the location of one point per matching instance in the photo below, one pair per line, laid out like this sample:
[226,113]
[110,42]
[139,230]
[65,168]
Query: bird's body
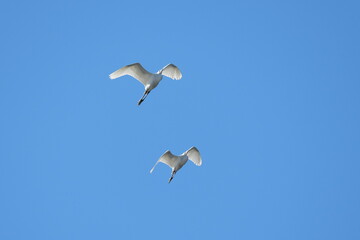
[177,162]
[149,80]
[154,80]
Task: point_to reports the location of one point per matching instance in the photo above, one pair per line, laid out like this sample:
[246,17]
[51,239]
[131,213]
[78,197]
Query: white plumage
[149,80]
[177,162]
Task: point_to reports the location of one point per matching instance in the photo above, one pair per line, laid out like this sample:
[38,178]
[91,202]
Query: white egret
[177,162]
[149,80]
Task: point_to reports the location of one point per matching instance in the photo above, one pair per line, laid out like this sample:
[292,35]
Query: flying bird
[149,80]
[177,162]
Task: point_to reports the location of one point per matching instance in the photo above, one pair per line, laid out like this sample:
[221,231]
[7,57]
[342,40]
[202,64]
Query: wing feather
[135,70]
[168,158]
[194,156]
[171,71]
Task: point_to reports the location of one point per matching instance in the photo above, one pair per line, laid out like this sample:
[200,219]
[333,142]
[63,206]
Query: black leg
[172,176]
[143,97]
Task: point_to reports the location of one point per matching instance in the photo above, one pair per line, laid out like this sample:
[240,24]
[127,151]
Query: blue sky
[269,95]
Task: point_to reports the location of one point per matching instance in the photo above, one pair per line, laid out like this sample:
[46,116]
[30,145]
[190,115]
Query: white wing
[168,158]
[135,70]
[170,71]
[194,156]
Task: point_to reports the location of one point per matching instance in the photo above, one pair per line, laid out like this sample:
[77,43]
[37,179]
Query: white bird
[149,80]
[177,162]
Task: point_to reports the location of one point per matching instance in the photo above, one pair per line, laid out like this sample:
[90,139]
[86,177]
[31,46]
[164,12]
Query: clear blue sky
[269,95]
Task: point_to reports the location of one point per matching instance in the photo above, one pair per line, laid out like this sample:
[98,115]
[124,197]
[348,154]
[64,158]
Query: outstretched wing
[135,70]
[171,71]
[194,156]
[168,158]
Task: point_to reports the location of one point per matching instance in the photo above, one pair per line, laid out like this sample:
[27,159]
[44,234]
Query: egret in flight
[149,80]
[177,162]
